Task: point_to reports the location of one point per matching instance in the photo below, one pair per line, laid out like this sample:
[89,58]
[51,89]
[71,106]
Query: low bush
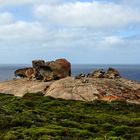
[34,117]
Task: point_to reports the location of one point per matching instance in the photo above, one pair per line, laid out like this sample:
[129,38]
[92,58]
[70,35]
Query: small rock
[112,74]
[80,76]
[98,73]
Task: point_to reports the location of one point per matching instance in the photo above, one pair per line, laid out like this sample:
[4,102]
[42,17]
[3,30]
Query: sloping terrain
[85,89]
[18,87]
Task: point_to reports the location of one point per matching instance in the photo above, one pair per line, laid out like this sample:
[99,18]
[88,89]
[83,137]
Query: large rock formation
[52,70]
[85,89]
[46,71]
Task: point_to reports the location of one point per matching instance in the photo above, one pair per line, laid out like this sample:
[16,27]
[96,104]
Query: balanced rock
[57,69]
[52,70]
[112,73]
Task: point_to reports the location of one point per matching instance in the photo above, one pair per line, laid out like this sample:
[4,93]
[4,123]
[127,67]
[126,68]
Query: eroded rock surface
[88,89]
[21,86]
[85,89]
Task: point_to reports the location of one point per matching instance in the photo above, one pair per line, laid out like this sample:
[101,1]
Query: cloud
[82,32]
[111,40]
[32,2]
[6,18]
[21,42]
[17,2]
[20,30]
[129,2]
[88,14]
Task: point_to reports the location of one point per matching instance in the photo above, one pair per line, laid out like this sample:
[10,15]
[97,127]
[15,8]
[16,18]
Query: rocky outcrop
[19,87]
[111,73]
[88,89]
[84,89]
[98,73]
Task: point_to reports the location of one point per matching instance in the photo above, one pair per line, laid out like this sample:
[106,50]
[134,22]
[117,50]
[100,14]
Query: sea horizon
[129,71]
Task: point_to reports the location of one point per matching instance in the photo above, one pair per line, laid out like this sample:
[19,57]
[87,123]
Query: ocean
[128,71]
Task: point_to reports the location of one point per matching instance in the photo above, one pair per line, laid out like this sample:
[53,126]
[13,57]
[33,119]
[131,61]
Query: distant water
[7,71]
[127,71]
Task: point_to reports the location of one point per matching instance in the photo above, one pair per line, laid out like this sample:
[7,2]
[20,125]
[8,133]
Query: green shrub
[40,118]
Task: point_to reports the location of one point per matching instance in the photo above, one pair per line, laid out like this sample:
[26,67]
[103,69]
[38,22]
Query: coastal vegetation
[35,117]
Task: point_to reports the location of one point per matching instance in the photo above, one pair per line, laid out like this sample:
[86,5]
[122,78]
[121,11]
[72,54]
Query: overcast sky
[82,31]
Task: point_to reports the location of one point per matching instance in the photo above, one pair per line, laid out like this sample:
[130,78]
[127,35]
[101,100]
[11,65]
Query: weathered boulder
[98,73]
[51,70]
[65,66]
[24,72]
[112,73]
[57,69]
[36,64]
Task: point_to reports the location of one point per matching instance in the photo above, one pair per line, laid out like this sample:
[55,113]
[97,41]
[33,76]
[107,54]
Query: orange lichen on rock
[111,98]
